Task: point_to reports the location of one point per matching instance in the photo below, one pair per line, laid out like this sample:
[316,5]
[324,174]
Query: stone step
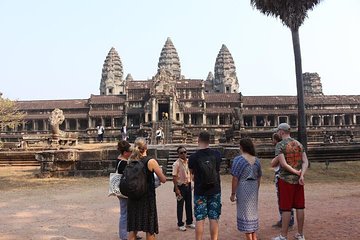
[19,163]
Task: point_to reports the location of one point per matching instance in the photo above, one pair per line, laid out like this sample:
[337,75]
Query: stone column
[45,125]
[354,119]
[342,122]
[203,119]
[89,123]
[254,121]
[146,117]
[112,123]
[266,121]
[66,124]
[153,110]
[218,119]
[308,120]
[332,121]
[33,125]
[190,118]
[171,110]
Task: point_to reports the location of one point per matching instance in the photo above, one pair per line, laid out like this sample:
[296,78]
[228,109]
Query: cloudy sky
[56,49]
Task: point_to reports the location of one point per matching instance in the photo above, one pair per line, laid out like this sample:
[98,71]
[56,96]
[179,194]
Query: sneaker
[182,228]
[298,236]
[279,238]
[192,226]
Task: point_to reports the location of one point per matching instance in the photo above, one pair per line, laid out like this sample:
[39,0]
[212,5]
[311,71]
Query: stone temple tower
[225,79]
[112,82]
[169,60]
[312,84]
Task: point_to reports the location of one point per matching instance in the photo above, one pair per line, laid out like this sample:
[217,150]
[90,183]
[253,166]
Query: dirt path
[60,209]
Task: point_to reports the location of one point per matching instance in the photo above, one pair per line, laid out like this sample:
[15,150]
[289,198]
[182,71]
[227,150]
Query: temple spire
[225,79]
[112,74]
[169,59]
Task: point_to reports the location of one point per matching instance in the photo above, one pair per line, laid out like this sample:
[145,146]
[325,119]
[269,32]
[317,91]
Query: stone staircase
[17,158]
[173,156]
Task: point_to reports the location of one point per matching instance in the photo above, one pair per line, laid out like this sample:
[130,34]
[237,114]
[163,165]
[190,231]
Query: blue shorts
[207,206]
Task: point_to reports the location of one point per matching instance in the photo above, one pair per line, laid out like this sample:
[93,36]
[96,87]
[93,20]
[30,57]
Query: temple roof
[314,100]
[52,104]
[100,113]
[193,110]
[169,59]
[109,99]
[222,97]
[139,84]
[216,110]
[189,83]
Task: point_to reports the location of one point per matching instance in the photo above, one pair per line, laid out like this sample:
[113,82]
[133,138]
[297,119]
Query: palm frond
[292,13]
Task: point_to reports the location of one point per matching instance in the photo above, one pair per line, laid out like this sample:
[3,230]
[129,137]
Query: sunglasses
[182,152]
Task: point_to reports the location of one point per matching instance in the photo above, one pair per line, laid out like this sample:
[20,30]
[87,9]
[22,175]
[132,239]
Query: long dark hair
[247,146]
[123,146]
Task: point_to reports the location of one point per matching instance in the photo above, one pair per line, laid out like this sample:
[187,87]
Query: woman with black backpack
[142,212]
[122,160]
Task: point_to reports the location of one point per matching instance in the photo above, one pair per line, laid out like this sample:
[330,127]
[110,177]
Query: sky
[56,49]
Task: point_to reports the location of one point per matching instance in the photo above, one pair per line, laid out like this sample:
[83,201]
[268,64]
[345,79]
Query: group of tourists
[203,199]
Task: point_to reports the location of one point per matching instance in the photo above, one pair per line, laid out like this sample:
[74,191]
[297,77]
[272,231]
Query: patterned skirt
[247,206]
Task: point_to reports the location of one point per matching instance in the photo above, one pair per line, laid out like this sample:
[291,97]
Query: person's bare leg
[248,236]
[132,235]
[254,237]
[214,229]
[199,229]
[150,236]
[300,217]
[285,216]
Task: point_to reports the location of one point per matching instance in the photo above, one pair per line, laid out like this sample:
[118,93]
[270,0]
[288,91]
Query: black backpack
[133,183]
[207,167]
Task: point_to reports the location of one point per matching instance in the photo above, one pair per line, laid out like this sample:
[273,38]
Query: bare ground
[78,208]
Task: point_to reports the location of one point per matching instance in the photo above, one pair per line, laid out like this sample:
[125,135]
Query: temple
[184,106]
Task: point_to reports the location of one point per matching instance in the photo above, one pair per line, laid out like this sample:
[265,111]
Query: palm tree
[292,13]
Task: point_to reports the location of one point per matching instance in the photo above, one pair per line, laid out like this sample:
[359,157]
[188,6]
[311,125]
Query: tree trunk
[302,136]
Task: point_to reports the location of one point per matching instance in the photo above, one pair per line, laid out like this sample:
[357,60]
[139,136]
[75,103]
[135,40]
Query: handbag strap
[117,167]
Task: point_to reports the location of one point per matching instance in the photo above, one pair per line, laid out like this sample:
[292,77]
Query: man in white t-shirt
[159,135]
[100,132]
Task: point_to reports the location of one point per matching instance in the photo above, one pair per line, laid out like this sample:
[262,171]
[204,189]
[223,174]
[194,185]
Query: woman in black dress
[142,213]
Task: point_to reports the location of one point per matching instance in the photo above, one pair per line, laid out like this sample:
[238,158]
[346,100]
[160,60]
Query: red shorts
[291,196]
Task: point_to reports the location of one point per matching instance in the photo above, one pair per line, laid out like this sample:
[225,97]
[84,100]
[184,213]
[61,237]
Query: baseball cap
[283,126]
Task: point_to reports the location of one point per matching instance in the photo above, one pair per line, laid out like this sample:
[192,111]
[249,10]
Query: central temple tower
[169,60]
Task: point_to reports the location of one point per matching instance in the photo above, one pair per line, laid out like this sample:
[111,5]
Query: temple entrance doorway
[163,111]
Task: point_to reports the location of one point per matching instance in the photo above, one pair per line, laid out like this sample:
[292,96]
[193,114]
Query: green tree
[10,116]
[292,13]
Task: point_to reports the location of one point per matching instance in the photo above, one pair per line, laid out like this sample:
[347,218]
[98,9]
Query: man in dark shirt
[207,191]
